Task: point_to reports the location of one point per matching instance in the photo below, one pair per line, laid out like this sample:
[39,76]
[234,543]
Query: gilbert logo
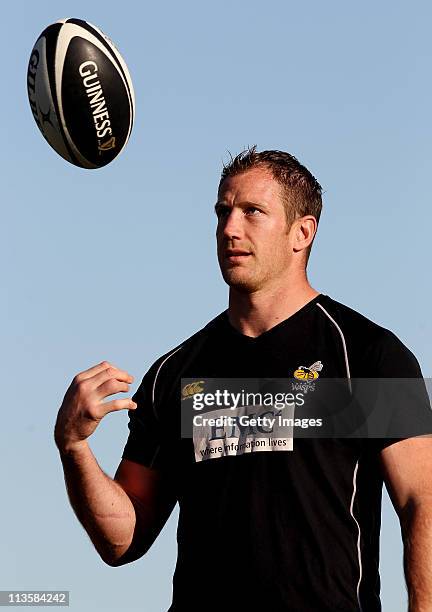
[31,84]
[190,389]
[310,373]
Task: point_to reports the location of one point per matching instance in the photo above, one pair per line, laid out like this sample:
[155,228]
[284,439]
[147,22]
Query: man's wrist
[68,449]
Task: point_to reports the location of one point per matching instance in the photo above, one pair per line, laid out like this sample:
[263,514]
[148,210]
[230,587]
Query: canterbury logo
[310,373]
[109,144]
[192,388]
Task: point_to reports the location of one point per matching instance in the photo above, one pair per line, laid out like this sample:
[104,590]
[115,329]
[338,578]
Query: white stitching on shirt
[153,397]
[358,534]
[343,344]
[158,370]
[356,465]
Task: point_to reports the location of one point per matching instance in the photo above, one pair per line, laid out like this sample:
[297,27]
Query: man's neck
[255,313]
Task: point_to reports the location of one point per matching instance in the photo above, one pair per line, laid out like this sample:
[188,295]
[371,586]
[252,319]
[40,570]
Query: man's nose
[232,224]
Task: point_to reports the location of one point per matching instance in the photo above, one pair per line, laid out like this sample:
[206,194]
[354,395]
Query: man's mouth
[235,255]
[230,252]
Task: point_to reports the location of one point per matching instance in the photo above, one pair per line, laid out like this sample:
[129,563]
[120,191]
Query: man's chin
[238,281]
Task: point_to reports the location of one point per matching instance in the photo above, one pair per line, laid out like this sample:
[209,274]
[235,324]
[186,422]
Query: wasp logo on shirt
[190,389]
[310,373]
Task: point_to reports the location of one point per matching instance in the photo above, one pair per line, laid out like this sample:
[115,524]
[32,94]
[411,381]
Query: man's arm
[122,516]
[153,500]
[407,469]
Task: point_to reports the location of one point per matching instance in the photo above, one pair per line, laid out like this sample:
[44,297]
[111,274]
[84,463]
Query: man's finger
[111,372]
[110,387]
[119,404]
[100,367]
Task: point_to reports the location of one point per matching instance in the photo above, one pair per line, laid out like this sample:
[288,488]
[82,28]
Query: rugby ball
[80,93]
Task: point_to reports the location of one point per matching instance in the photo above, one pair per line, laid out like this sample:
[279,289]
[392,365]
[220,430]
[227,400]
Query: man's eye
[224,211]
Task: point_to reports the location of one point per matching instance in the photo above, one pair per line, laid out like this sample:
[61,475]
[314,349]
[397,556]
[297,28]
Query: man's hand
[83,409]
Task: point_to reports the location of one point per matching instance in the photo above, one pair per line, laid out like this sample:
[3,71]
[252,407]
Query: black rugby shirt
[294,530]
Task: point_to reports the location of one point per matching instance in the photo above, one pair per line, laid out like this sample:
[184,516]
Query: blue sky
[120,263]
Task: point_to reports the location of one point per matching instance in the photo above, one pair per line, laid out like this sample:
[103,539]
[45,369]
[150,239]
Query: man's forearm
[101,505]
[416,527]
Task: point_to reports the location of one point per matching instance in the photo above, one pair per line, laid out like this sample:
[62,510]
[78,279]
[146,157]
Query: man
[293,529]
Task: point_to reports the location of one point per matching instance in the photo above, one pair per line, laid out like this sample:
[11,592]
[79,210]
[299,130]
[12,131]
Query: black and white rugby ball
[80,93]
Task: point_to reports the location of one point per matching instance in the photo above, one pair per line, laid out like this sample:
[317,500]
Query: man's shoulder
[353,322]
[176,357]
[368,339]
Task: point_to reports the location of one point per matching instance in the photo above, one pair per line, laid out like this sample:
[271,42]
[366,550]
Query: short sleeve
[144,441]
[403,399]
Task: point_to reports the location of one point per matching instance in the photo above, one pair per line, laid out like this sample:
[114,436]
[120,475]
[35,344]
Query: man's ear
[304,232]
